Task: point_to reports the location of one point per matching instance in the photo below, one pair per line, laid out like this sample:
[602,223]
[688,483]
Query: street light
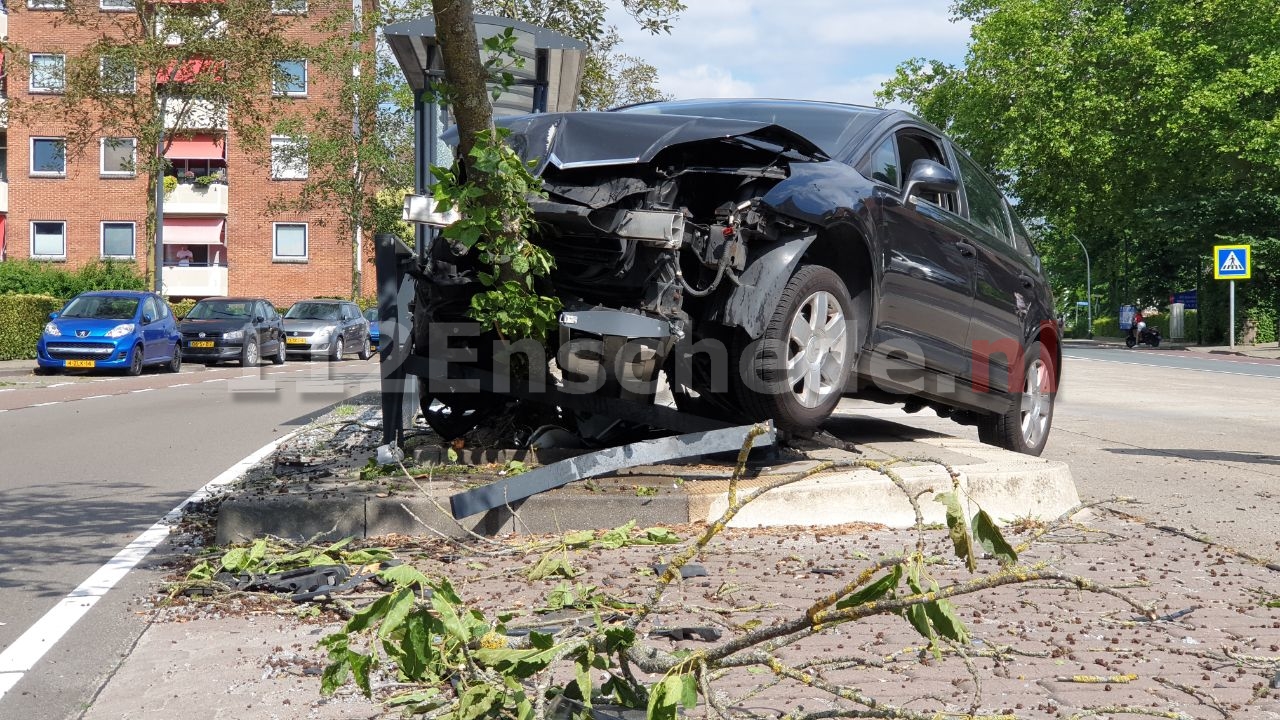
[1088,283]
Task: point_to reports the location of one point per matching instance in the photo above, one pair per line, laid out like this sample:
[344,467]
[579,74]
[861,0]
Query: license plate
[82,363]
[295,341]
[200,344]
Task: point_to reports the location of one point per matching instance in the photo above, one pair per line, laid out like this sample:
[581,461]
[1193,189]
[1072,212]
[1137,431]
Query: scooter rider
[1135,330]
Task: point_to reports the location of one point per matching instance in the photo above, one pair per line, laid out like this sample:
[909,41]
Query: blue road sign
[1231,262]
[1186,297]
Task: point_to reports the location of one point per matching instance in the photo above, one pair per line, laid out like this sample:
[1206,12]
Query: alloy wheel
[1037,403]
[817,350]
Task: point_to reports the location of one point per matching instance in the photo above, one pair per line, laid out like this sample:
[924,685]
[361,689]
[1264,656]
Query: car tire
[1024,427]
[135,360]
[800,365]
[338,350]
[280,353]
[175,363]
[249,354]
[366,350]
[42,370]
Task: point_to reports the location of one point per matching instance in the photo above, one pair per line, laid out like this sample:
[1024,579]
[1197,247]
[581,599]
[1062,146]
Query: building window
[48,73]
[117,239]
[49,239]
[288,7]
[118,75]
[49,157]
[290,78]
[118,156]
[116,5]
[290,241]
[46,4]
[288,158]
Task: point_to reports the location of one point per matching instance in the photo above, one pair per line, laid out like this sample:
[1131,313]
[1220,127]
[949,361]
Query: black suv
[232,328]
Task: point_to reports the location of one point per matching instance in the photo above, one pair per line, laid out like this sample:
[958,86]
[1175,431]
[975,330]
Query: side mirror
[258,320]
[53,315]
[929,176]
[147,318]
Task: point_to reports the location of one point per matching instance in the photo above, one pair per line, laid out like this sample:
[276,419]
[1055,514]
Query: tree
[156,73]
[1147,129]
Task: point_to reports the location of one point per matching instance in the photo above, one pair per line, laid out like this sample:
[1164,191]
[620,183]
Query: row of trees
[161,65]
[1150,130]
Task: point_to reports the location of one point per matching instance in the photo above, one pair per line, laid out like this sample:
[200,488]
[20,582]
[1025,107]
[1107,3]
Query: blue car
[111,330]
[374,335]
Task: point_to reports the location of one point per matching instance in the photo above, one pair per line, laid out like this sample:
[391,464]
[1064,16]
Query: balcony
[189,114]
[196,199]
[4,24]
[194,281]
[4,196]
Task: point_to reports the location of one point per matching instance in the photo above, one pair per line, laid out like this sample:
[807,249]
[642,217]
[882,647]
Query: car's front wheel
[249,353]
[337,350]
[279,357]
[135,361]
[795,373]
[1024,427]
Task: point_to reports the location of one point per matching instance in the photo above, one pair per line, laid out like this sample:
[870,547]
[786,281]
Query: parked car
[826,249]
[233,328]
[375,333]
[110,329]
[329,328]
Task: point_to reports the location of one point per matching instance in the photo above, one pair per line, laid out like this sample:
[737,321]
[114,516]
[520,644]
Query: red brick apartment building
[86,202]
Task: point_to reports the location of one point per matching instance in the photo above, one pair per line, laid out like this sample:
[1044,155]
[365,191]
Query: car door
[351,326]
[1005,285]
[927,259]
[262,326]
[155,340]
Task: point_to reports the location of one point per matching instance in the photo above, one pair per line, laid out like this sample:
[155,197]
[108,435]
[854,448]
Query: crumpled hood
[586,139]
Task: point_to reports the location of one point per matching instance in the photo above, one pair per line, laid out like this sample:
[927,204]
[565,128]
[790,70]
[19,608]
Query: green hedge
[22,317]
[182,307]
[30,277]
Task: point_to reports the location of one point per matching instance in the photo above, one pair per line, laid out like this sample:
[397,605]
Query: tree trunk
[464,72]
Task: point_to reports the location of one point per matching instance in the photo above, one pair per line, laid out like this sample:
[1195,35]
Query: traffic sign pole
[1231,313]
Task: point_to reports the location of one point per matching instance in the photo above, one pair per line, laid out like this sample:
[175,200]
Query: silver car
[330,328]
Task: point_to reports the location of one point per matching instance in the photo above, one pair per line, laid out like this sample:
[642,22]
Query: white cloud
[820,49]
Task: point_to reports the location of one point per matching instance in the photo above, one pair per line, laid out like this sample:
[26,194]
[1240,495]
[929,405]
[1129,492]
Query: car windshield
[829,126]
[371,314]
[101,308]
[219,309]
[313,311]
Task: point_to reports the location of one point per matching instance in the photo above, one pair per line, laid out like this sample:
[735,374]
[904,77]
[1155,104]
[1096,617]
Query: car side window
[882,164]
[986,204]
[163,310]
[913,147]
[1021,238]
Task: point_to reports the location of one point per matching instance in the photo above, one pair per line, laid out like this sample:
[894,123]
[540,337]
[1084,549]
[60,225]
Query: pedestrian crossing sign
[1231,262]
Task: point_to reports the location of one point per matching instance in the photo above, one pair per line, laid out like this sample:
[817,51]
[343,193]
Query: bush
[29,277]
[1265,320]
[182,307]
[22,317]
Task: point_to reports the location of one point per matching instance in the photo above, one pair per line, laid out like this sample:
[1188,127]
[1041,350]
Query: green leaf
[452,455]
[658,536]
[617,639]
[404,576]
[334,548]
[689,696]
[664,697]
[943,617]
[235,560]
[447,611]
[617,537]
[401,604]
[335,675]
[366,618]
[874,590]
[958,529]
[581,538]
[992,540]
[360,668]
[422,700]
[552,564]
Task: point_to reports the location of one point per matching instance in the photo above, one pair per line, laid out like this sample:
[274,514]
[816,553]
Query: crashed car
[770,257]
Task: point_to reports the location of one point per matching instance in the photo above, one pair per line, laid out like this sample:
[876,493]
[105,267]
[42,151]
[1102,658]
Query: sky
[838,50]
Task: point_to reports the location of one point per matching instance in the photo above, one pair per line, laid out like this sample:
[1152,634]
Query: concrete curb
[1005,484]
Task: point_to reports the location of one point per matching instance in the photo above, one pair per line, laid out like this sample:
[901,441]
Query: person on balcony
[184,256]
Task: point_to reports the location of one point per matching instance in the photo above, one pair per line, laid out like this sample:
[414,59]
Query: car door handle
[965,249]
[1027,281]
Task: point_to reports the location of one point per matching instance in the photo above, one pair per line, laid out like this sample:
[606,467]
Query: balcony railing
[194,281]
[196,199]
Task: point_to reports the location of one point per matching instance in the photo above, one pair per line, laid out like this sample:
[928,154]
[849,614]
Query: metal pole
[159,244]
[1088,284]
[1231,317]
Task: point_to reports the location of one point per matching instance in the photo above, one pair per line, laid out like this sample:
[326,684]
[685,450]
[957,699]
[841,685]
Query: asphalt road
[89,463]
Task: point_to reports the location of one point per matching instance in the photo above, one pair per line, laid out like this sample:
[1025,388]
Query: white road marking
[142,390]
[95,397]
[55,402]
[215,380]
[26,651]
[1175,367]
[7,389]
[180,385]
[59,385]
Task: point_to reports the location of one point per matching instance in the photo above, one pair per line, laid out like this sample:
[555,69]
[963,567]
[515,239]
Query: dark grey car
[773,256]
[326,328]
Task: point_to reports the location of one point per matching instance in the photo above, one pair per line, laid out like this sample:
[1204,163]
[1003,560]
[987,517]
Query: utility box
[1177,321]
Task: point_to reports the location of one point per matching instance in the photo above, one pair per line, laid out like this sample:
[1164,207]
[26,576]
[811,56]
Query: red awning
[197,147]
[189,70]
[193,231]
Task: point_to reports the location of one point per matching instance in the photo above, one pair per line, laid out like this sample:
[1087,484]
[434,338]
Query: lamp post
[1088,283]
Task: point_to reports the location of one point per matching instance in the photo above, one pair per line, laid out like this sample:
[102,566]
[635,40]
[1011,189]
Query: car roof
[326,301]
[118,293]
[235,299]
